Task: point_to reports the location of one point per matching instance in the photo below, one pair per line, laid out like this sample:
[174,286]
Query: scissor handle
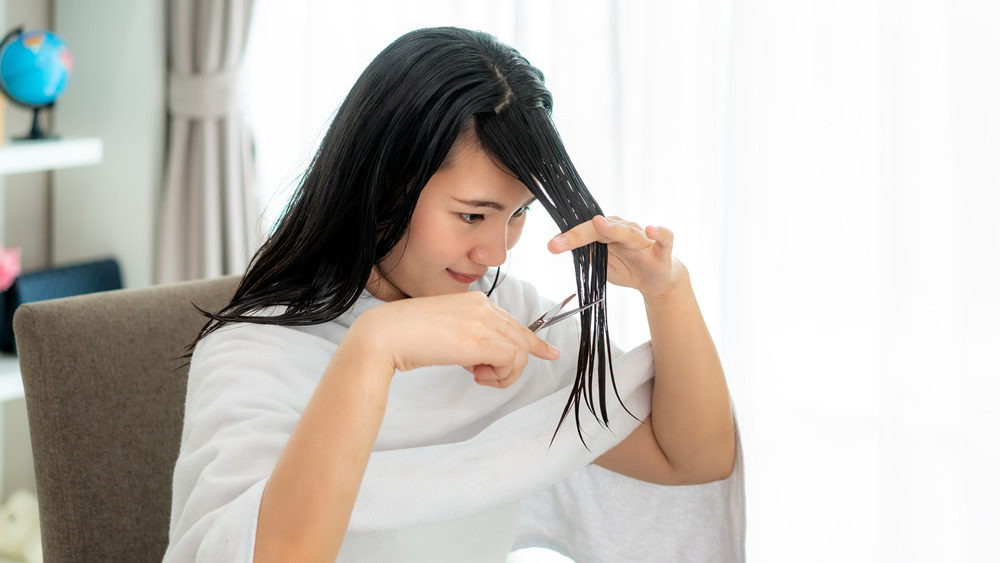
[548,315]
[533,327]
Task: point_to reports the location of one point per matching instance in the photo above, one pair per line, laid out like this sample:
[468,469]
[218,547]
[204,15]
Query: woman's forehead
[475,176]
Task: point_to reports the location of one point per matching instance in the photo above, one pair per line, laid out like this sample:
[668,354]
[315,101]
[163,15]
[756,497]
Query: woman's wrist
[678,286]
[370,342]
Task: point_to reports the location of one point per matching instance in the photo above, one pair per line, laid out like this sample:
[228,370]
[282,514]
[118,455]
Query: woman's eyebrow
[490,204]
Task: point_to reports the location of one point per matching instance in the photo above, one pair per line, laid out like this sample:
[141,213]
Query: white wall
[118,93]
[23,211]
[24,199]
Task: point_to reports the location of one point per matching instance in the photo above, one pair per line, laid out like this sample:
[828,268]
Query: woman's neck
[381,288]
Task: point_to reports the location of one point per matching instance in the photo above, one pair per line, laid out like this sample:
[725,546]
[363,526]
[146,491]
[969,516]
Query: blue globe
[35,67]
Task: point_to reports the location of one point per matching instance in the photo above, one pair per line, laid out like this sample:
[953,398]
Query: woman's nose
[491,250]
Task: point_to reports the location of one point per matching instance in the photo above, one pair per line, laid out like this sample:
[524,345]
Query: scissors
[553,315]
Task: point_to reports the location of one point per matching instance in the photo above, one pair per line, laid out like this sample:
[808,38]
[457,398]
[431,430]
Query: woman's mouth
[463,278]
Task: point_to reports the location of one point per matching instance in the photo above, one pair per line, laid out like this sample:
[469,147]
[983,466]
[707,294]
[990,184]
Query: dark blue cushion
[52,283]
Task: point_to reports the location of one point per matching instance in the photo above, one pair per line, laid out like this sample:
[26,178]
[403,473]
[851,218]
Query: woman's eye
[471,217]
[522,211]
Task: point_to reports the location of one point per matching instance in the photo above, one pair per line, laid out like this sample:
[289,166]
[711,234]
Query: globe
[35,67]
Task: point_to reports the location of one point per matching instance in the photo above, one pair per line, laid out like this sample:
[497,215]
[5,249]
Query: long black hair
[391,134]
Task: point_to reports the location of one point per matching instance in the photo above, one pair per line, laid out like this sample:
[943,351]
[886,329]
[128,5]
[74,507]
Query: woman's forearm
[691,414]
[308,499]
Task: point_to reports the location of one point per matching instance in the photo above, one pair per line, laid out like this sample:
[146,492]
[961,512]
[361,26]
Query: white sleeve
[247,388]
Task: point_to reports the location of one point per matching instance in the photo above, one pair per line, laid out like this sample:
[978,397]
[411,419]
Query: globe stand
[36,132]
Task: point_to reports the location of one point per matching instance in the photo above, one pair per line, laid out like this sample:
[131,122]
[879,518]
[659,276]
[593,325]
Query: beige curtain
[210,210]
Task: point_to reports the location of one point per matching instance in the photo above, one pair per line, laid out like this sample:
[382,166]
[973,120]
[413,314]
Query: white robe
[460,472]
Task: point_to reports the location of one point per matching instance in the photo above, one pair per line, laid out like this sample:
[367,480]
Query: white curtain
[832,174]
[862,265]
[210,206]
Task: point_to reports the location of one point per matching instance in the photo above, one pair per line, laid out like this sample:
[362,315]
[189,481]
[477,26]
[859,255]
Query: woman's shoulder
[279,334]
[252,341]
[256,359]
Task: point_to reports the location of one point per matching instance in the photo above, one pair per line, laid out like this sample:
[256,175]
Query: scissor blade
[567,314]
[544,319]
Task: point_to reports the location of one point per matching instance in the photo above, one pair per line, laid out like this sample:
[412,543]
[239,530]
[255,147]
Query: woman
[344,336]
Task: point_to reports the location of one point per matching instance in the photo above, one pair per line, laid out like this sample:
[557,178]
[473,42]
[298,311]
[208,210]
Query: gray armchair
[105,381]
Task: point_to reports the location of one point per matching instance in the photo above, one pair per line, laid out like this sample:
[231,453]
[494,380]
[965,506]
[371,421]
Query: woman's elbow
[717,466]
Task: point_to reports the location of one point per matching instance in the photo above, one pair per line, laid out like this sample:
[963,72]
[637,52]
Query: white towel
[448,448]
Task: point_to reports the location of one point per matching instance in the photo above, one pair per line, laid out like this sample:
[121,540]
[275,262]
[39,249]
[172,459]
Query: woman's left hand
[638,258]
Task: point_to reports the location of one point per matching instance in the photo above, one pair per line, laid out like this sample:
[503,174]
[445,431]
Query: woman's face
[467,217]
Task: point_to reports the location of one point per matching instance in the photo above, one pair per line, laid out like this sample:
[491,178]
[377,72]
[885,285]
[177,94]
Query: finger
[660,234]
[626,234]
[503,373]
[535,345]
[486,375]
[525,339]
[515,373]
[580,235]
[542,349]
[492,376]
[608,230]
[499,355]
[664,242]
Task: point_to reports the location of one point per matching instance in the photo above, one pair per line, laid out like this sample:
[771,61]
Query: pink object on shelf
[10,266]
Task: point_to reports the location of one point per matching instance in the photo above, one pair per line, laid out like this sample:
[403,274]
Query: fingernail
[559,240]
[553,350]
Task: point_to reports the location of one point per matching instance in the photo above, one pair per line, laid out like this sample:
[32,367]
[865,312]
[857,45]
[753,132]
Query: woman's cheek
[514,233]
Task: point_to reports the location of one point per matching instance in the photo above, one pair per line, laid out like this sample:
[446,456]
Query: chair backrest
[105,381]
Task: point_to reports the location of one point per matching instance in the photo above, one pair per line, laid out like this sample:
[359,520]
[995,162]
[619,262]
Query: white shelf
[11,386]
[17,157]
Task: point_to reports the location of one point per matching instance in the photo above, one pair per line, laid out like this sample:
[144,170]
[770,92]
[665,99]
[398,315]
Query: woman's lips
[463,278]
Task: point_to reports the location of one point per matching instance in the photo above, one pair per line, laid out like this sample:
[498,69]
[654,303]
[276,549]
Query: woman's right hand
[464,329]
